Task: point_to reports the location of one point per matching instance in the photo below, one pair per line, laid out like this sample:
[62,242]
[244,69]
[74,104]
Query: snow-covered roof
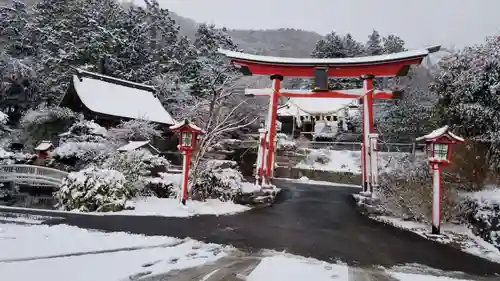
[133,145]
[44,145]
[185,122]
[444,131]
[330,61]
[119,100]
[313,106]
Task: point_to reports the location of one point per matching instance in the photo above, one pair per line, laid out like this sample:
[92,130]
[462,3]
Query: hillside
[277,42]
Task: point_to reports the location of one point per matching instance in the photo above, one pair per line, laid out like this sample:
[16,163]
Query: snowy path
[59,253]
[309,220]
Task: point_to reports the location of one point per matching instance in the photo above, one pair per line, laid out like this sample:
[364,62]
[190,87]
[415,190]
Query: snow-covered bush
[84,131]
[406,192]
[162,186]
[482,213]
[218,179]
[136,166]
[321,156]
[93,189]
[84,143]
[7,158]
[4,118]
[45,123]
[286,145]
[134,130]
[81,154]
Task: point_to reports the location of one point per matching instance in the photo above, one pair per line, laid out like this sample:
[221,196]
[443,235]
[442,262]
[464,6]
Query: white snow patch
[346,161]
[488,196]
[295,268]
[443,131]
[418,277]
[21,241]
[456,234]
[316,182]
[38,241]
[170,207]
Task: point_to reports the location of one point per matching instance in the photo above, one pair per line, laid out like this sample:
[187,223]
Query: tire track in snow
[75,254]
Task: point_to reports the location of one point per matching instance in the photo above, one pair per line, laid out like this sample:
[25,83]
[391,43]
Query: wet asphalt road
[308,220]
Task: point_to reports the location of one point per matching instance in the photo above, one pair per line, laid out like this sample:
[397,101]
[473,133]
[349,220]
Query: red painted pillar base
[185,177]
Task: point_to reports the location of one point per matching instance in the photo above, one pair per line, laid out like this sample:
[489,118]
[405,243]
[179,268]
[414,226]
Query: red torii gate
[397,64]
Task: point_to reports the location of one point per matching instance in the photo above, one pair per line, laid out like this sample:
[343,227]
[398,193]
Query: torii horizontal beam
[390,65]
[349,94]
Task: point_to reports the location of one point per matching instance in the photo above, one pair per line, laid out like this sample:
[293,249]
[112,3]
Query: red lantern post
[188,135]
[438,149]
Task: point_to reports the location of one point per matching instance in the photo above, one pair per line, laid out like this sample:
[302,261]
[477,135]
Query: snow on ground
[346,161]
[91,255]
[455,235]
[37,243]
[164,207]
[171,207]
[21,241]
[294,268]
[316,182]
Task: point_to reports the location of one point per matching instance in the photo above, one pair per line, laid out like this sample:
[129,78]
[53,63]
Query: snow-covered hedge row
[219,179]
[482,213]
[93,189]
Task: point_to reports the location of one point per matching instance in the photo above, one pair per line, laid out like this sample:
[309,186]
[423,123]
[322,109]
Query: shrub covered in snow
[406,192]
[218,179]
[7,158]
[134,130]
[162,186]
[321,156]
[81,154]
[84,131]
[93,189]
[482,213]
[286,145]
[45,123]
[136,166]
[84,143]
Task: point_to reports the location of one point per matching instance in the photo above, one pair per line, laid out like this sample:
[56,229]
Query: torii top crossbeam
[396,64]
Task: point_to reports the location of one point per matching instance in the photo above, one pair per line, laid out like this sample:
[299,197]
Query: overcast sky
[419,22]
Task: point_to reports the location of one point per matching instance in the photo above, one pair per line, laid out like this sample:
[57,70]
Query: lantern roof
[443,132]
[186,126]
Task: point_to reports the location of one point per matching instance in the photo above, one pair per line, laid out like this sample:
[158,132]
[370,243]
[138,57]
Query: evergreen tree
[13,21]
[393,44]
[335,46]
[414,115]
[374,44]
[468,85]
[332,46]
